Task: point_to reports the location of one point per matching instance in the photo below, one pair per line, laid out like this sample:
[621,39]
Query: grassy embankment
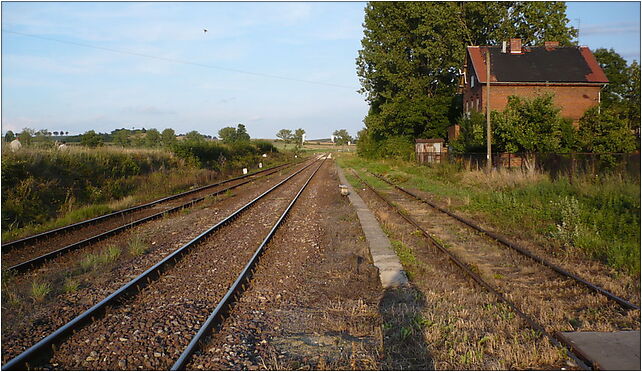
[599,218]
[46,188]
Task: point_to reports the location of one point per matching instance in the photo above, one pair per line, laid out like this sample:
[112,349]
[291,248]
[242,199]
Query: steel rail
[37,261]
[32,238]
[42,348]
[558,342]
[217,316]
[622,302]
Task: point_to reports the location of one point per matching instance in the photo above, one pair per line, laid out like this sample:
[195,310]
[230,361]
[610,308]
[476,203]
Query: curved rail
[622,302]
[216,317]
[32,238]
[553,338]
[43,347]
[37,261]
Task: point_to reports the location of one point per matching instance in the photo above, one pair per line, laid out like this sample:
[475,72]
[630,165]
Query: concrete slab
[609,351]
[391,272]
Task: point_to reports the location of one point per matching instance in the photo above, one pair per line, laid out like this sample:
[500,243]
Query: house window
[477,104]
[472,81]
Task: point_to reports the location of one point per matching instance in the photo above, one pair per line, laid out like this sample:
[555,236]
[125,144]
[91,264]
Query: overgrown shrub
[39,184]
[264,146]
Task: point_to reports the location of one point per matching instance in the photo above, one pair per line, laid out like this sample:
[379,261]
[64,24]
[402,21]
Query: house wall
[573,100]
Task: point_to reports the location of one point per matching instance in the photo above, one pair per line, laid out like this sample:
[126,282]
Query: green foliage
[394,147]
[121,137]
[168,137]
[25,136]
[298,136]
[603,131]
[194,136]
[152,138]
[622,94]
[231,135]
[137,246]
[70,285]
[411,53]
[264,146]
[342,137]
[472,133]
[285,135]
[9,136]
[40,290]
[531,125]
[91,139]
[599,216]
[39,184]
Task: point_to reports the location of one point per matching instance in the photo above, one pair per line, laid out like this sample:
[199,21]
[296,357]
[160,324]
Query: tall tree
[342,137]
[91,139]
[9,136]
[227,134]
[298,136]
[152,138]
[194,136]
[168,137]
[285,135]
[121,137]
[241,133]
[622,94]
[25,136]
[603,131]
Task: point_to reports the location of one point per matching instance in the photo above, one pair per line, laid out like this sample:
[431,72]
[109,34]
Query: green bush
[264,146]
[38,184]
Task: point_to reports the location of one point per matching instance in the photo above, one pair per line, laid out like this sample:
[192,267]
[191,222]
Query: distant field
[313,146]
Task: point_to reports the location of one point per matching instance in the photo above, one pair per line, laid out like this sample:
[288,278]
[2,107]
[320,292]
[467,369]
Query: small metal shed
[429,150]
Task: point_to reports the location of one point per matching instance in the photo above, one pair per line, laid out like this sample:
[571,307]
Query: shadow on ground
[404,344]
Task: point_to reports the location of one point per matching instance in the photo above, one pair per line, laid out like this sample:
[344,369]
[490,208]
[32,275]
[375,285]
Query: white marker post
[244,170]
[260,165]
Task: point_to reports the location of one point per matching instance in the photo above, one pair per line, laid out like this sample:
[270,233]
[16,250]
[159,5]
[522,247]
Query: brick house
[572,74]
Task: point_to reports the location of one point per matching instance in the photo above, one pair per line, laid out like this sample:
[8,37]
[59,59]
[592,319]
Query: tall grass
[599,216]
[47,188]
[40,184]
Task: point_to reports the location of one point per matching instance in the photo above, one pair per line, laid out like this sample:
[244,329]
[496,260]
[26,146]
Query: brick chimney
[516,46]
[549,45]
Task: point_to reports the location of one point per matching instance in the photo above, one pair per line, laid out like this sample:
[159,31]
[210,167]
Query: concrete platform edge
[391,273]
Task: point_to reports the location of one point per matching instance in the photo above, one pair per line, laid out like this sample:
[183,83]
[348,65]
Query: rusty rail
[558,342]
[37,261]
[64,229]
[622,302]
[42,349]
[223,307]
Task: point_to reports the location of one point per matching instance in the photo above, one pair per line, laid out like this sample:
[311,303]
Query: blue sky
[65,86]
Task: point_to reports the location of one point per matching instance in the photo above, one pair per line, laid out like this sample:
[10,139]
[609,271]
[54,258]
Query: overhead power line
[173,60]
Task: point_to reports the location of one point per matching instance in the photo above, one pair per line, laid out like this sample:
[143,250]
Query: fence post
[509,161]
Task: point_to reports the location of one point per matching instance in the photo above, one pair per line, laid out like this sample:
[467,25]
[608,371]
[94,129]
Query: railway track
[160,317]
[504,241]
[28,253]
[546,301]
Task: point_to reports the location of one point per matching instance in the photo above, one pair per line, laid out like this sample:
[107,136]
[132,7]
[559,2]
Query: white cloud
[610,28]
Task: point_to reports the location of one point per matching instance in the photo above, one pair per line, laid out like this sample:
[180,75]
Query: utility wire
[179,61]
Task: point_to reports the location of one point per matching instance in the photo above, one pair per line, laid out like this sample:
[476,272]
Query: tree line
[146,138]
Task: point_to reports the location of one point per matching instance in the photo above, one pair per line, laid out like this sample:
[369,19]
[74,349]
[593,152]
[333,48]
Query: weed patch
[39,291]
